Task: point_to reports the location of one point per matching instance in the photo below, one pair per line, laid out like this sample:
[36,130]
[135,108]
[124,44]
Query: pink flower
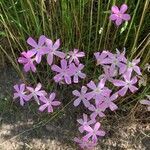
[37,92]
[48,102]
[78,73]
[74,55]
[97,110]
[84,122]
[100,57]
[128,83]
[117,61]
[94,132]
[133,66]
[108,102]
[21,94]
[53,50]
[38,48]
[108,75]
[27,60]
[119,15]
[65,72]
[85,143]
[97,91]
[81,97]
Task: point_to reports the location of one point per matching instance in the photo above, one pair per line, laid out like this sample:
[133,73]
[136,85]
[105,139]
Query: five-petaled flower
[27,60]
[74,55]
[119,15]
[39,49]
[37,92]
[108,102]
[21,93]
[94,132]
[98,91]
[48,102]
[98,110]
[81,97]
[84,122]
[128,83]
[52,49]
[116,61]
[65,72]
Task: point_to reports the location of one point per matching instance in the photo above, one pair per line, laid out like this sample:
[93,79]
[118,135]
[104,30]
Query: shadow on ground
[26,128]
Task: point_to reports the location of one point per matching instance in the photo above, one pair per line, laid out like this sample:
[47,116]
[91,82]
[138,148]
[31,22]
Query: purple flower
[100,57]
[74,55]
[84,122]
[21,94]
[65,72]
[117,61]
[97,110]
[133,66]
[146,102]
[78,73]
[94,132]
[119,15]
[38,48]
[108,75]
[128,83]
[108,102]
[48,102]
[27,61]
[81,97]
[53,50]
[37,92]
[85,143]
[97,91]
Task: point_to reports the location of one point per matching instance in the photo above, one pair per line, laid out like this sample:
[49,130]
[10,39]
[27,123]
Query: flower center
[115,61]
[98,90]
[130,65]
[128,83]
[119,15]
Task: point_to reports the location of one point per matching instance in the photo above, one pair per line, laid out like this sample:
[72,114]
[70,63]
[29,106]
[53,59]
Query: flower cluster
[45,101]
[69,70]
[97,97]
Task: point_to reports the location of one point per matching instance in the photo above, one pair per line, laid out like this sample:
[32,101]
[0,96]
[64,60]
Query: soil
[24,128]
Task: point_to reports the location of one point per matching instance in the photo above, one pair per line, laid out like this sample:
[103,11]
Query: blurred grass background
[82,24]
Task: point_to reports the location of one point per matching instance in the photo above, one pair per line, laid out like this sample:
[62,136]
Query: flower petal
[77,102]
[118,21]
[123,8]
[31,42]
[126,17]
[115,9]
[43,107]
[91,85]
[50,58]
[113,17]
[41,40]
[56,44]
[123,91]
